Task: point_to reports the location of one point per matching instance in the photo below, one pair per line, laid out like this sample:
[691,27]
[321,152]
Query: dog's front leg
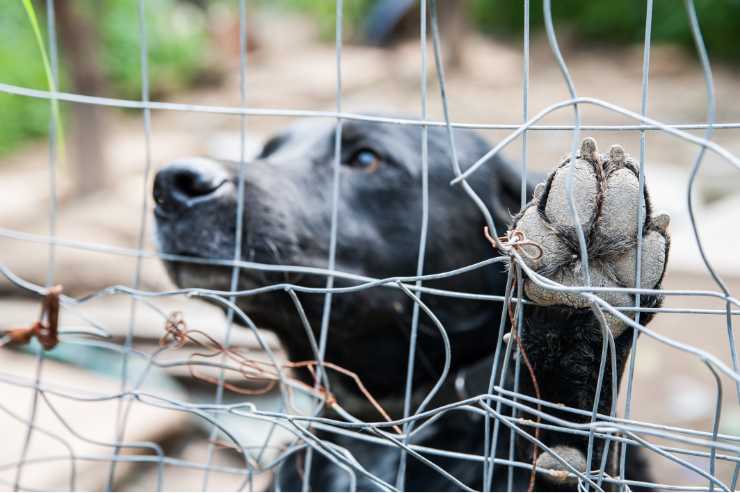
[565,336]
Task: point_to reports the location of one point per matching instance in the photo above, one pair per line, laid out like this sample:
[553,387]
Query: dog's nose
[186,182]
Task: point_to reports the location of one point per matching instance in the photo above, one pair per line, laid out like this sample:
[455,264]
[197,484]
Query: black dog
[287,220]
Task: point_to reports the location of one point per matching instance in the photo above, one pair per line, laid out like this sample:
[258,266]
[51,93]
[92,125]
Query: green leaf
[28,6]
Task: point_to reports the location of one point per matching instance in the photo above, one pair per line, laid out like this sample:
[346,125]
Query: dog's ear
[506,190]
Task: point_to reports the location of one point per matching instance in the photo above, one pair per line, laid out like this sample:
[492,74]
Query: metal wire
[701,452]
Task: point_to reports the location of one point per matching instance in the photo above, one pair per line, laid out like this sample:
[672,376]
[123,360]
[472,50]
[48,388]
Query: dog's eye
[365,159]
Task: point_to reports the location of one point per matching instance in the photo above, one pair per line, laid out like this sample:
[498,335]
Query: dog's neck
[463,383]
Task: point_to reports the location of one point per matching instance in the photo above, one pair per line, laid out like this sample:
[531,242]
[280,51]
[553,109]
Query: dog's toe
[654,250]
[620,205]
[585,187]
[554,250]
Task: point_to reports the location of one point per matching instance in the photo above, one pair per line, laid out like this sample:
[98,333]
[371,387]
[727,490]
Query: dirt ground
[292,70]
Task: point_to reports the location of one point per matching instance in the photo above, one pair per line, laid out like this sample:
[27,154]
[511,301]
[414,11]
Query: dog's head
[287,220]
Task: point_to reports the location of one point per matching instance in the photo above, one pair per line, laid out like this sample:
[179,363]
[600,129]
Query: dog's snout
[184,183]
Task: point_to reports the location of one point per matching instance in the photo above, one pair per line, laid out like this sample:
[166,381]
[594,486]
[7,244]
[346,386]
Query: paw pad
[606,200]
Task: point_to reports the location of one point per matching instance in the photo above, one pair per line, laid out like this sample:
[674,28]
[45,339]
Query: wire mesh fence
[295,421]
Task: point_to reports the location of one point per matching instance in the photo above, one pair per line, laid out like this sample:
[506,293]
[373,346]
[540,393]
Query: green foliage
[20,117]
[176,37]
[48,71]
[622,21]
[178,49]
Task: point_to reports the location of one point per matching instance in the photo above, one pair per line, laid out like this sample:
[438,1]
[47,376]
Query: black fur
[287,220]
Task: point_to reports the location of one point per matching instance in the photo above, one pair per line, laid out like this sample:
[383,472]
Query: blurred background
[194,58]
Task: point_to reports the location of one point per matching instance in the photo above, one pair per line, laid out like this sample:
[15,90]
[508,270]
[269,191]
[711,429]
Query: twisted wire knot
[46,329]
[176,331]
[514,240]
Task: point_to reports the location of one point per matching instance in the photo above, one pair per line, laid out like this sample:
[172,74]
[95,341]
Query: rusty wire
[45,330]
[177,336]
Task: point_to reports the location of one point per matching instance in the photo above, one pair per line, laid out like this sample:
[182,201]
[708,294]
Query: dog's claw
[589,149]
[606,199]
[616,154]
[539,189]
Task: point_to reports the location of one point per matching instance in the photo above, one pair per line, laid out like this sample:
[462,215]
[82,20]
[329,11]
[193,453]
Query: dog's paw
[606,197]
